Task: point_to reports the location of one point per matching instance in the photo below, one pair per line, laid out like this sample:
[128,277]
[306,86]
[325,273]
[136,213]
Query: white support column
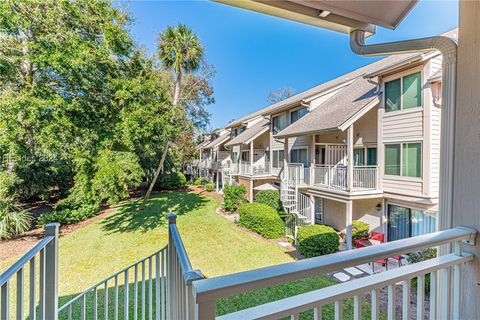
[200,162]
[251,158]
[350,158]
[312,208]
[312,159]
[348,229]
[217,174]
[285,157]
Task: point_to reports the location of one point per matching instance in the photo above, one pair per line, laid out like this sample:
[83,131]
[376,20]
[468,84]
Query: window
[299,156]
[297,114]
[243,129]
[358,156]
[372,156]
[245,155]
[404,159]
[403,93]
[234,156]
[234,133]
[278,157]
[279,123]
[406,222]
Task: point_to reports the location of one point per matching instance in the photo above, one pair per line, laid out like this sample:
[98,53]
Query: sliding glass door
[405,222]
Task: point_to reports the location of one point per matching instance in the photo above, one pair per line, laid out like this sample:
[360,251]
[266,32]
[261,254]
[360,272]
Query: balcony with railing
[164,285]
[365,178]
[259,168]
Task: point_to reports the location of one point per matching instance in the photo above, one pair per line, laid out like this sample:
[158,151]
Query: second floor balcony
[334,177]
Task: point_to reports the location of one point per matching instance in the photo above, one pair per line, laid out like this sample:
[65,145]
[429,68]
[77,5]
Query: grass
[215,246]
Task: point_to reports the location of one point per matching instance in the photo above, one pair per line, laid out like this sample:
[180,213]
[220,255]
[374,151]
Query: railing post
[189,298]
[51,272]
[172,219]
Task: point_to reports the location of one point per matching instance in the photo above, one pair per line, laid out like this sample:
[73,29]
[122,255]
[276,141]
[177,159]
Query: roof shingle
[249,133]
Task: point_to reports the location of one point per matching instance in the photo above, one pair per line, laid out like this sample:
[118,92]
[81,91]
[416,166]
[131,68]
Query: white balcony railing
[298,174]
[166,285]
[335,177]
[259,168]
[445,274]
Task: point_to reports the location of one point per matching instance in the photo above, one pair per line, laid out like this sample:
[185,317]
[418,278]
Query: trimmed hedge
[197,181]
[209,187]
[317,240]
[270,198]
[171,181]
[359,229]
[261,219]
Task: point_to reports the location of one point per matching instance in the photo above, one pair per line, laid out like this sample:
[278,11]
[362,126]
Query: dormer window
[403,93]
[279,123]
[297,114]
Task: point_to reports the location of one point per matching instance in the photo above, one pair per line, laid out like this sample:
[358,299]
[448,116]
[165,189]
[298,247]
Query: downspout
[448,48]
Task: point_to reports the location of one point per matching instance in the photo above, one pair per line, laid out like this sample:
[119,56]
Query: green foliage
[234,196]
[261,219]
[116,173]
[210,187]
[359,229]
[420,256]
[270,198]
[13,220]
[197,181]
[317,240]
[171,181]
[66,215]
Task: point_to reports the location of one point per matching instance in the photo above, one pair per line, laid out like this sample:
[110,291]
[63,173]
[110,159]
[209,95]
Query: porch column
[466,171]
[200,162]
[251,158]
[350,158]
[218,173]
[312,160]
[312,209]
[348,229]
[285,157]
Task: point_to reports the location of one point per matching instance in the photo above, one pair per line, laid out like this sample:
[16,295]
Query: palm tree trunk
[176,97]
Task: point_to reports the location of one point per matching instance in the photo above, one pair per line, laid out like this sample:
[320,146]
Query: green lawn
[215,246]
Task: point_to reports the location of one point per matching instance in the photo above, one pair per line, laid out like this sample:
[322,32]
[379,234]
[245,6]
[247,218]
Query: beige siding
[318,101]
[403,125]
[402,185]
[365,129]
[364,210]
[435,64]
[334,214]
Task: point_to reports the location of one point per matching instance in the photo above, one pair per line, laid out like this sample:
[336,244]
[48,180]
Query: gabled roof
[250,133]
[217,141]
[356,98]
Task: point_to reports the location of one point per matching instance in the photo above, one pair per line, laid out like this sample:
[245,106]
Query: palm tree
[181,52]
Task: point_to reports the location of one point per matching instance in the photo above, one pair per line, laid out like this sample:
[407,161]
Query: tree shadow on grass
[128,217]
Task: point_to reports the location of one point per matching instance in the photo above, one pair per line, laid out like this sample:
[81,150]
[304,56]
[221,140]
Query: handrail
[296,304]
[98,284]
[214,288]
[4,277]
[179,247]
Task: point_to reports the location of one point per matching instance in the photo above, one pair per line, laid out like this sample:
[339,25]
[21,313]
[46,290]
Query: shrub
[65,215]
[270,198]
[210,187]
[261,219]
[171,181]
[234,196]
[116,172]
[197,181]
[420,256]
[13,220]
[359,229]
[317,240]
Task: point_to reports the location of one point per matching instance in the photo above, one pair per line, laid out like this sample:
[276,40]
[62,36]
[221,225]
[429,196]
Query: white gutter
[448,49]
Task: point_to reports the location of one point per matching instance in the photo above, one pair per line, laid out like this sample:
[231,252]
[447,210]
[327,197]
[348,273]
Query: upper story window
[297,114]
[234,133]
[404,159]
[279,123]
[403,93]
[242,129]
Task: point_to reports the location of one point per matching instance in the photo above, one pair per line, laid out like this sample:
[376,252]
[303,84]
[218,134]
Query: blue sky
[254,54]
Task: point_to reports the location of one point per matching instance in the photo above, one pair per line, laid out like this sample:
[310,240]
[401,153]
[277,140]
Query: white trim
[258,134]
